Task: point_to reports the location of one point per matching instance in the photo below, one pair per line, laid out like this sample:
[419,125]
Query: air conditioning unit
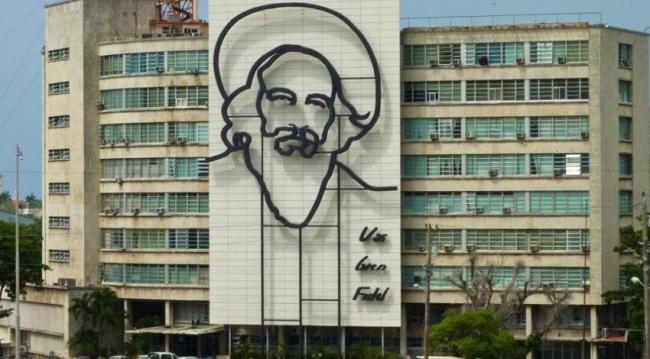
[448,248]
[507,210]
[534,248]
[470,136]
[126,141]
[586,285]
[479,210]
[173,141]
[182,140]
[103,142]
[483,61]
[471,247]
[160,69]
[160,211]
[181,102]
[433,63]
[456,62]
[561,60]
[135,211]
[521,135]
[113,142]
[433,97]
[521,61]
[442,210]
[100,106]
[119,180]
[434,137]
[585,248]
[66,282]
[112,211]
[584,134]
[558,172]
[493,172]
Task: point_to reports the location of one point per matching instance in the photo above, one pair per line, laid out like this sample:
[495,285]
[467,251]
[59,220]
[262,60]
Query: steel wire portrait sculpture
[281,110]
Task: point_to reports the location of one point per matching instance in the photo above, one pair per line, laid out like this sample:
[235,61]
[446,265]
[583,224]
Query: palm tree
[5,197]
[100,316]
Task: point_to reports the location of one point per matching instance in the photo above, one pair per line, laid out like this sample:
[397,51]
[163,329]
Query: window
[59,222]
[112,99]
[58,88]
[58,121]
[413,277]
[497,239]
[145,132]
[188,203]
[193,132]
[495,90]
[567,202]
[112,273]
[625,91]
[560,350]
[145,97]
[625,55]
[144,168]
[188,274]
[496,165]
[426,55]
[145,238]
[625,202]
[144,62]
[59,54]
[494,127]
[57,255]
[59,188]
[112,238]
[424,128]
[416,239]
[495,202]
[625,129]
[559,239]
[559,52]
[144,202]
[113,201]
[180,61]
[144,273]
[559,127]
[430,166]
[432,202]
[191,96]
[111,65]
[189,239]
[494,53]
[559,89]
[558,164]
[625,164]
[432,91]
[187,167]
[560,277]
[59,155]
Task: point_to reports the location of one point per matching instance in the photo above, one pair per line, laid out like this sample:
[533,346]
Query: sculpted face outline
[292,139]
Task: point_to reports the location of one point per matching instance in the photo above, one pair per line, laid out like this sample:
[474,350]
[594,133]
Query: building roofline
[59,2]
[507,27]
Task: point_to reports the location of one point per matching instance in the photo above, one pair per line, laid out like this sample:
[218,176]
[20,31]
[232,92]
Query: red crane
[176,12]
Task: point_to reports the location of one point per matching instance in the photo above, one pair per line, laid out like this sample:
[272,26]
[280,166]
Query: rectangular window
[425,128]
[112,273]
[62,154]
[497,239]
[559,239]
[432,55]
[144,202]
[625,202]
[625,55]
[559,89]
[625,91]
[145,132]
[495,202]
[58,88]
[59,222]
[416,239]
[111,65]
[494,127]
[112,99]
[145,273]
[494,53]
[145,97]
[113,202]
[559,127]
[145,238]
[495,165]
[414,276]
[559,277]
[58,121]
[144,168]
[625,129]
[58,54]
[559,52]
[559,164]
[495,90]
[432,202]
[566,202]
[187,61]
[432,91]
[112,238]
[187,167]
[188,203]
[625,164]
[190,96]
[59,187]
[188,239]
[188,274]
[57,255]
[190,132]
[432,166]
[144,62]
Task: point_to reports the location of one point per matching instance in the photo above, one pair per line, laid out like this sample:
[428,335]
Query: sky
[21,37]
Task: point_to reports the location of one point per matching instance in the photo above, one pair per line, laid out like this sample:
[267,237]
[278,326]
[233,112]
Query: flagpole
[17,314]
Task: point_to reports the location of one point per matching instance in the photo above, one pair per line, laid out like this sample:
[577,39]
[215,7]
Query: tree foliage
[473,335]
[5,197]
[33,201]
[100,316]
[31,267]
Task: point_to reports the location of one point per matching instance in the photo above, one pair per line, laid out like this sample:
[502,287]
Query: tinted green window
[432,202]
[178,61]
[559,127]
[506,165]
[494,127]
[423,128]
[625,128]
[112,99]
[625,164]
[111,65]
[567,202]
[625,205]
[423,166]
[144,62]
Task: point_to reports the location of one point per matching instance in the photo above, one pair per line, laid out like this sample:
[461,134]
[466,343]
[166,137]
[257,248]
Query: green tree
[631,243]
[5,197]
[100,316]
[32,201]
[473,335]
[31,267]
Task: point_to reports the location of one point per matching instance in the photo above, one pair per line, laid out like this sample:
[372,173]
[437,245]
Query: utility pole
[17,308]
[427,293]
[645,257]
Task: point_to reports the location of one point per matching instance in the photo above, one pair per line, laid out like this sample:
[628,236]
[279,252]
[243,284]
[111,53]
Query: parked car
[161,355]
[188,358]
[118,357]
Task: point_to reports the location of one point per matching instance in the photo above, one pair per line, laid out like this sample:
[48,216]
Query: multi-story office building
[524,144]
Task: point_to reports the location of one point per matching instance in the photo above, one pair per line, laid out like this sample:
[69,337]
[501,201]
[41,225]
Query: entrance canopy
[179,330]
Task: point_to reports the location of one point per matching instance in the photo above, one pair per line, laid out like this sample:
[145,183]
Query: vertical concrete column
[281,339]
[529,325]
[128,320]
[342,339]
[402,333]
[169,321]
[594,331]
